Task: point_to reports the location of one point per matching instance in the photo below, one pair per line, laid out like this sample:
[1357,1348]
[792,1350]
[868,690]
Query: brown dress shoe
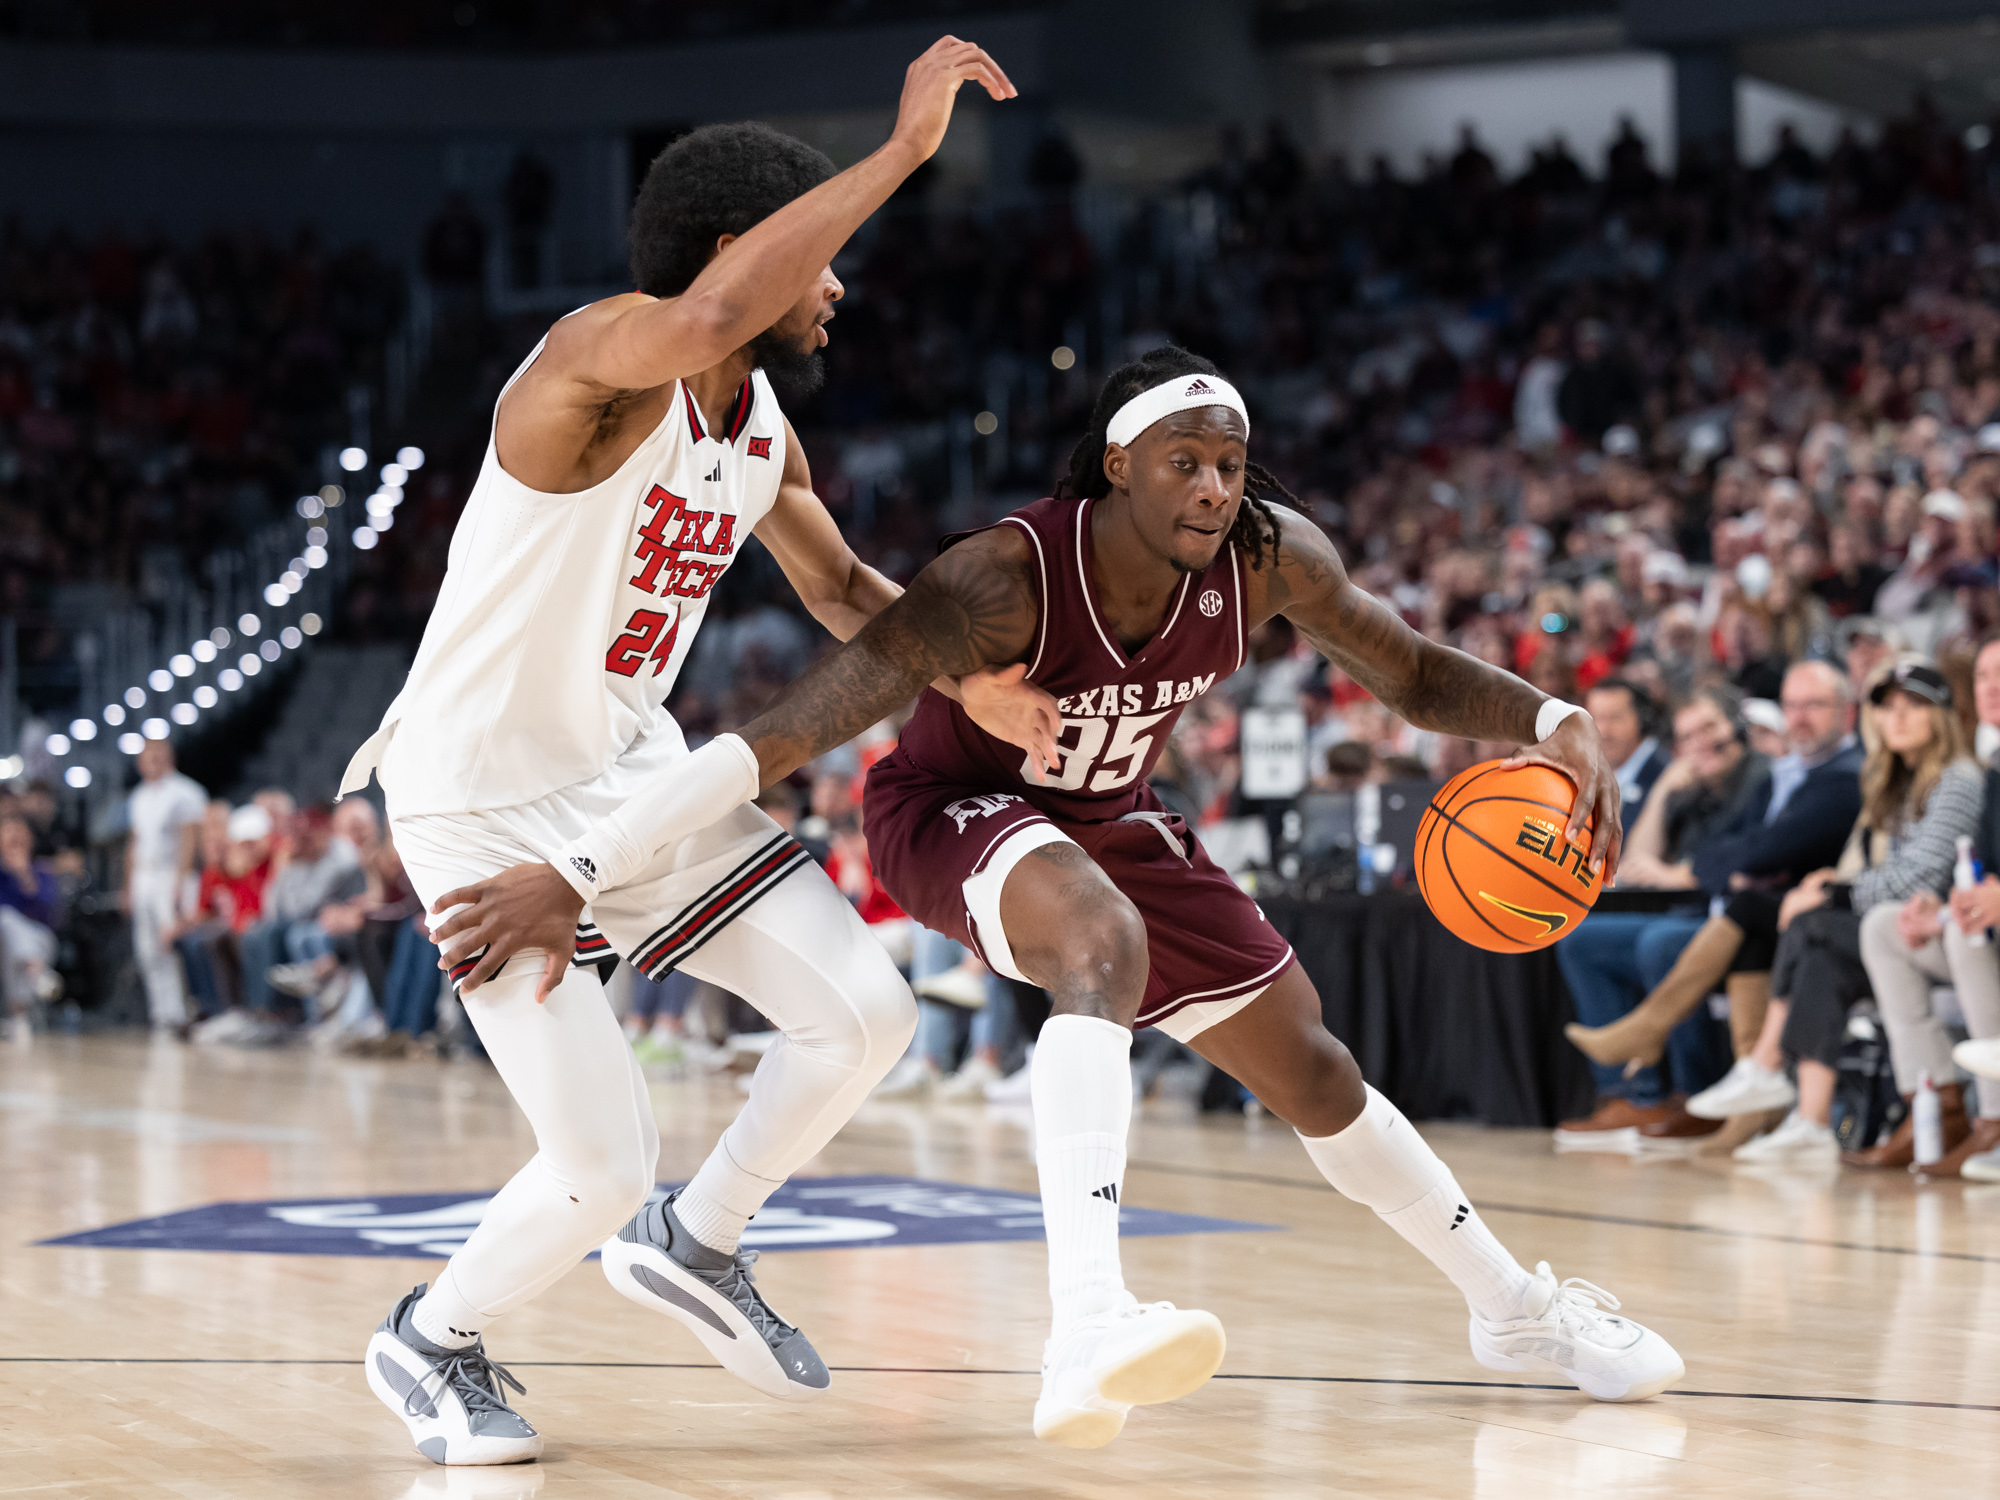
[1984,1137]
[1900,1150]
[1679,1125]
[1610,1117]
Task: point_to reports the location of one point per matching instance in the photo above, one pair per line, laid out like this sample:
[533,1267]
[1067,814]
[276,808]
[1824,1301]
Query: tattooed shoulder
[1303,566]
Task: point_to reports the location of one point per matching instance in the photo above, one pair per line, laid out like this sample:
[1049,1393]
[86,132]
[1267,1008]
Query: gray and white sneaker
[658,1264]
[450,1399]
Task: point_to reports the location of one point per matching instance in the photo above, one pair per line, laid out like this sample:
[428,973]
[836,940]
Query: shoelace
[735,1284]
[462,1371]
[1584,1305]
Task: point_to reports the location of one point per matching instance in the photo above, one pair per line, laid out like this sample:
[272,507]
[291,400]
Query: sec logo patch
[1210,603]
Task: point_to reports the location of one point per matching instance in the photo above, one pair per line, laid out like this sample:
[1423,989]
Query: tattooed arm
[1434,687]
[973,607]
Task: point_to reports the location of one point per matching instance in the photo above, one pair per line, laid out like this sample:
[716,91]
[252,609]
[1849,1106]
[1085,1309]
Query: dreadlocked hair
[1255,528]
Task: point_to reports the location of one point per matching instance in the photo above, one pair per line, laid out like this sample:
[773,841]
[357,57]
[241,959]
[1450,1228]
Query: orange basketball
[1492,862]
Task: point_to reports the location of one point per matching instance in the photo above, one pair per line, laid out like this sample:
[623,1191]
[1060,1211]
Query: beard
[795,373]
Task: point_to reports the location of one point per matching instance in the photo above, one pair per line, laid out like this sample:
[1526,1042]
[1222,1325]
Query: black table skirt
[1446,1030]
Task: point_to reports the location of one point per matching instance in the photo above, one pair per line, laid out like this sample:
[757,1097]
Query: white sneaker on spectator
[963,987]
[910,1080]
[1798,1140]
[1980,1056]
[300,981]
[1745,1090]
[1015,1088]
[1985,1167]
[262,1031]
[1578,1335]
[221,1027]
[968,1084]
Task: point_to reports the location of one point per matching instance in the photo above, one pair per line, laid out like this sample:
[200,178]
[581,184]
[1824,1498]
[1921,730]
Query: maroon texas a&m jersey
[1117,710]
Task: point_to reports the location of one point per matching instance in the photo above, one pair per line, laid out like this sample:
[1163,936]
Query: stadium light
[183,713]
[10,767]
[354,460]
[77,776]
[310,624]
[114,714]
[394,474]
[206,696]
[229,679]
[56,744]
[135,697]
[203,650]
[365,538]
[315,556]
[219,637]
[270,651]
[131,744]
[410,458]
[83,729]
[155,729]
[249,624]
[290,638]
[160,680]
[248,664]
[311,507]
[181,665]
[275,595]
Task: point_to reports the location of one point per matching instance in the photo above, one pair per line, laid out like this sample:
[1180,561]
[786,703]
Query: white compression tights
[804,959]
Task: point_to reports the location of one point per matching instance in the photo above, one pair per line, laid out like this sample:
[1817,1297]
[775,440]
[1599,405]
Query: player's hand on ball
[1575,750]
[523,907]
[1001,701]
[931,84]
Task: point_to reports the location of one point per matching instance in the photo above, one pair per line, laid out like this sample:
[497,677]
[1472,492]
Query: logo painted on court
[811,1213]
[1210,603]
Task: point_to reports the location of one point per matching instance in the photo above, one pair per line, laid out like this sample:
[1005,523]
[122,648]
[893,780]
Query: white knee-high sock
[1082,1092]
[1381,1161]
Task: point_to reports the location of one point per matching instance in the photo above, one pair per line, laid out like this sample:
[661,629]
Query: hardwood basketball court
[1842,1332]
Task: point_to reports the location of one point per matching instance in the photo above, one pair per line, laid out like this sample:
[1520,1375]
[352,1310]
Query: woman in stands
[1920,793]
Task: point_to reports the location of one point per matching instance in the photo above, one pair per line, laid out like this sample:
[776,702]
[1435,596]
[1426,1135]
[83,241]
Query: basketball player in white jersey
[631,455]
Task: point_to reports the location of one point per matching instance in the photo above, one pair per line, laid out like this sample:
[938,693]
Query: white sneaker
[1985,1167]
[1747,1089]
[968,1084]
[1796,1140]
[1980,1056]
[963,987]
[1106,1364]
[1576,1335]
[220,1028]
[1017,1087]
[300,981]
[452,1400]
[908,1082]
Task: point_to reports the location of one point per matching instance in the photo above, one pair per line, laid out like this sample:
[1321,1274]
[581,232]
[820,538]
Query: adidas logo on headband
[1148,407]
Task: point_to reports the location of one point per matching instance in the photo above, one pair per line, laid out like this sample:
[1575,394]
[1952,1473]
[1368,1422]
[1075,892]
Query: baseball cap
[1765,714]
[249,822]
[1916,679]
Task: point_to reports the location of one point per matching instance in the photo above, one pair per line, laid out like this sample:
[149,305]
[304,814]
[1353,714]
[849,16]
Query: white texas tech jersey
[563,620]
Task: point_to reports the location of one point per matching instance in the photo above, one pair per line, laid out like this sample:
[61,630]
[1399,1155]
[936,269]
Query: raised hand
[930,86]
[1001,701]
[1575,750]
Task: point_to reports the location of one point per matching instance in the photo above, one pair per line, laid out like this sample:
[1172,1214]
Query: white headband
[1182,393]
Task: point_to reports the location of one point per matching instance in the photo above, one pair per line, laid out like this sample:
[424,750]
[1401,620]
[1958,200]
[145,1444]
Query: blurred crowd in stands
[160,401]
[1715,452]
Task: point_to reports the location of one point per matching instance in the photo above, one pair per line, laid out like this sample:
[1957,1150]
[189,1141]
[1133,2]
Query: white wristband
[716,780]
[1549,718]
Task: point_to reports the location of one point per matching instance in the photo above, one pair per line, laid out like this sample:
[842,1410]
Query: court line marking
[621,1364]
[1218,1175]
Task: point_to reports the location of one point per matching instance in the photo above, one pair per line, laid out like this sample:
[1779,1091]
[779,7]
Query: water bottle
[1927,1122]
[1964,876]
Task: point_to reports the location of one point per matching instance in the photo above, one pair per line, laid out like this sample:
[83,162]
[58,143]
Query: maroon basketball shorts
[943,853]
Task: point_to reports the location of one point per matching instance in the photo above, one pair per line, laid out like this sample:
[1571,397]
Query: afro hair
[720,179]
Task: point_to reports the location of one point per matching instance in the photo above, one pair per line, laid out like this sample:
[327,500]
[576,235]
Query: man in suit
[1794,822]
[1628,720]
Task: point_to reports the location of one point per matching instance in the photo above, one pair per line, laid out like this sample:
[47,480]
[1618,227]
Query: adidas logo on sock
[1109,1192]
[1464,1213]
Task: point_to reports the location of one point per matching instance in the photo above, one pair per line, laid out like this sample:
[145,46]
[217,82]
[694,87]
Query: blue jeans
[1611,962]
[410,992]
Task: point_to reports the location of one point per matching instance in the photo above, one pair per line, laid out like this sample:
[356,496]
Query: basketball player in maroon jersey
[1125,596]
